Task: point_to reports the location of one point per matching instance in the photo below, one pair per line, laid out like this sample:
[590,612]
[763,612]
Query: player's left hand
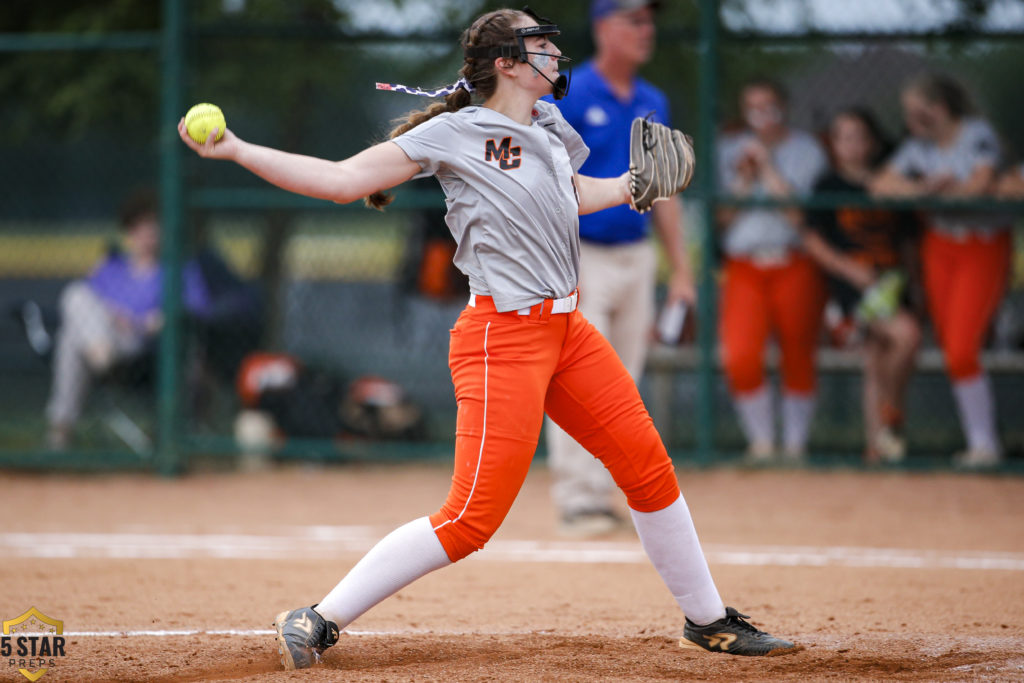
[661,163]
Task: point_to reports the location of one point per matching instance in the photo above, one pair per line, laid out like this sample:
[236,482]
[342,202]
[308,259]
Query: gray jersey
[512,203]
[976,145]
[800,160]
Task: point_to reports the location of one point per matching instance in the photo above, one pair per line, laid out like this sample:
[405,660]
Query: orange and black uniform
[874,237]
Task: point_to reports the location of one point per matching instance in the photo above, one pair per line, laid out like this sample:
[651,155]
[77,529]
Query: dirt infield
[882,576]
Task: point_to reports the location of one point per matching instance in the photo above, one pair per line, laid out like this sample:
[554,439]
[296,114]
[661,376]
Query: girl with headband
[508,167]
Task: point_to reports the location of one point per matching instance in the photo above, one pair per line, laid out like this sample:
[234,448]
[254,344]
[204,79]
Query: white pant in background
[88,342]
[617,297]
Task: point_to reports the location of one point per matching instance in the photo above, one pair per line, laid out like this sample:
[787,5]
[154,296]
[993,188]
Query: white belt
[769,258]
[566,304]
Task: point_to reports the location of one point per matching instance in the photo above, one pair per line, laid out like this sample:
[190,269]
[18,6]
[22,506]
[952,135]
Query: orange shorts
[964,281]
[508,370]
[786,299]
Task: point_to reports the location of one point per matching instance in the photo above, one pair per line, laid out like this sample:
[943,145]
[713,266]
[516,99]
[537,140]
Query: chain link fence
[332,320]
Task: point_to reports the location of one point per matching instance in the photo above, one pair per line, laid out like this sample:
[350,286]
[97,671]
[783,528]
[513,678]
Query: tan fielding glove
[661,163]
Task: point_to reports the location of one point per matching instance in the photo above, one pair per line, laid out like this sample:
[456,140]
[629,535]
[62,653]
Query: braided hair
[492,29]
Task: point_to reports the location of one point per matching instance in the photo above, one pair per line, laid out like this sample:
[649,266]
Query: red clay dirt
[538,620]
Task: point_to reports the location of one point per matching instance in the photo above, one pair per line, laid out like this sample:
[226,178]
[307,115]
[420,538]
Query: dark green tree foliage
[295,74]
[67,93]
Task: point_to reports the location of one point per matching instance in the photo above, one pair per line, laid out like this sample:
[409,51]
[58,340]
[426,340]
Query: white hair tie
[398,87]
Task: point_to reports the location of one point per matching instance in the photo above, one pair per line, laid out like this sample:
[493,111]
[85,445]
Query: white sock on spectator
[797,413]
[977,413]
[670,540]
[756,417]
[398,559]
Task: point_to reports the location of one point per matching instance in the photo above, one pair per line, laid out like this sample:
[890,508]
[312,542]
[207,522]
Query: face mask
[559,86]
[759,119]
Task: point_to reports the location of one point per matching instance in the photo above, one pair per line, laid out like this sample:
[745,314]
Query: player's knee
[962,363]
[461,538]
[458,546]
[743,370]
[799,384]
[910,335]
[74,296]
[649,483]
[799,377]
[656,491]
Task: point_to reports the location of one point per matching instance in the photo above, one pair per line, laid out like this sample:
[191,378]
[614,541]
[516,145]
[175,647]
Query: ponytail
[453,102]
[477,75]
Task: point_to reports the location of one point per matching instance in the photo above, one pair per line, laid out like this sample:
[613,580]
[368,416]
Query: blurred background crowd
[853,233]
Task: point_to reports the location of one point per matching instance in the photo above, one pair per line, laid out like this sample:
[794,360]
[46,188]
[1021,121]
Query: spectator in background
[114,315]
[953,153]
[617,258]
[771,286]
[869,253]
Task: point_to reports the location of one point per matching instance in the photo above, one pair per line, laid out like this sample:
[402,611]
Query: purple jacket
[138,294]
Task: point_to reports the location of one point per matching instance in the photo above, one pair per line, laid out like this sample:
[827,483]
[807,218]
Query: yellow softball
[203,118]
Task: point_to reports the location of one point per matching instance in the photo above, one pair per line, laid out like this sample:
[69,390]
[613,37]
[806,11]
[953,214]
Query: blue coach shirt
[603,120]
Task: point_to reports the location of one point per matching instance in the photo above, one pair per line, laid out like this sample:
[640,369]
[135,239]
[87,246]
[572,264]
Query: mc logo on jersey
[503,153]
[32,643]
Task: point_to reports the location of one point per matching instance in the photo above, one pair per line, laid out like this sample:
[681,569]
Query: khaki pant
[617,297]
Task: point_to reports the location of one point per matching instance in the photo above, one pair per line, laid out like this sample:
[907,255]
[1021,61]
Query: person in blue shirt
[617,258]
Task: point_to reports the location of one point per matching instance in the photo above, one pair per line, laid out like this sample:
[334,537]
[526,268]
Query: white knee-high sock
[398,559]
[756,416]
[797,413]
[670,540]
[977,413]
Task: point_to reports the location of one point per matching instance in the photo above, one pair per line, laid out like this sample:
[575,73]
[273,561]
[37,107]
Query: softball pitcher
[508,167]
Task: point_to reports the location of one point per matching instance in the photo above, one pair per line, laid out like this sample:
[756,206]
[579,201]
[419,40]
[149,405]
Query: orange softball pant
[787,299]
[508,370]
[964,282]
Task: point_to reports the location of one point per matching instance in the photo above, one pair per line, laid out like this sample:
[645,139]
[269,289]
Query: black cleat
[734,636]
[302,636]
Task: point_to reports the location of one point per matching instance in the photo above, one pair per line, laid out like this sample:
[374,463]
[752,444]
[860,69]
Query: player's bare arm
[892,183]
[601,193]
[668,223]
[981,183]
[836,262]
[377,168]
